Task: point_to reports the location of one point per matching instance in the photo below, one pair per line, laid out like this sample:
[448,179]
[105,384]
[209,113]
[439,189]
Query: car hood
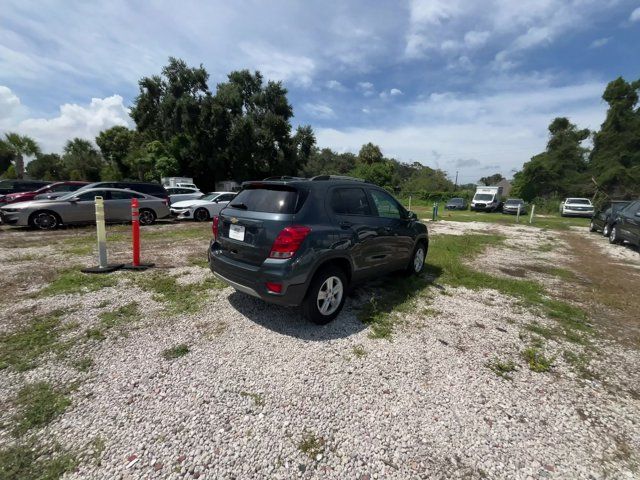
[30,203]
[190,203]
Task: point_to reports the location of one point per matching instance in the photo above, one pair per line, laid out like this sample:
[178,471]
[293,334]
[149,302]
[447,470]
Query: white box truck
[487,199]
[185,182]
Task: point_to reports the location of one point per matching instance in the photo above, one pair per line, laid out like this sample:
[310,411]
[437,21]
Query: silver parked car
[79,207]
[179,194]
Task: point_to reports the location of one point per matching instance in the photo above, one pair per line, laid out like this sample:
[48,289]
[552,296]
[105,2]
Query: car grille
[481,205]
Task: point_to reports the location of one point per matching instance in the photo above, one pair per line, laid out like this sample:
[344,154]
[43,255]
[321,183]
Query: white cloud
[394,92]
[366,88]
[276,65]
[635,15]
[494,128]
[335,85]
[475,39]
[600,42]
[319,110]
[73,120]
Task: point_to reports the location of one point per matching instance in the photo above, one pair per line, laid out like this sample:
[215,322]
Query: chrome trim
[237,286]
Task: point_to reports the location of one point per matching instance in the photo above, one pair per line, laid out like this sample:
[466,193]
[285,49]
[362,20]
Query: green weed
[38,404]
[258,400]
[179,298]
[74,281]
[176,352]
[502,369]
[537,360]
[311,445]
[28,461]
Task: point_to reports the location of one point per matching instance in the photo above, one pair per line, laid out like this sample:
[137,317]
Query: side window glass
[350,201]
[90,196]
[385,204]
[121,195]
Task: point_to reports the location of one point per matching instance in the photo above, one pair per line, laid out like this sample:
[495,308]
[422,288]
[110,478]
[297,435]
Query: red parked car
[47,192]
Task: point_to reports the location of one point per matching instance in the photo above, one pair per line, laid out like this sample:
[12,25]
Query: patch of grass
[311,445]
[258,400]
[179,298]
[545,247]
[580,362]
[501,368]
[400,296]
[27,461]
[38,404]
[97,446]
[358,351]
[124,315]
[24,257]
[537,360]
[74,281]
[176,352]
[83,364]
[198,260]
[95,334]
[21,348]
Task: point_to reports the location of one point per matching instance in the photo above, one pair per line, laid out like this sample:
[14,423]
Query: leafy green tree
[379,173]
[370,154]
[427,180]
[82,161]
[19,146]
[48,166]
[328,162]
[115,144]
[6,157]
[492,179]
[561,170]
[152,162]
[615,157]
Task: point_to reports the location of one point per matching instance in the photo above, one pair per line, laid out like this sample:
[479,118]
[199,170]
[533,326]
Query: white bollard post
[103,266]
[518,215]
[409,202]
[533,209]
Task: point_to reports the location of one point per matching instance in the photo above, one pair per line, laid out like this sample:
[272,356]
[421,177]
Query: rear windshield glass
[274,199]
[579,201]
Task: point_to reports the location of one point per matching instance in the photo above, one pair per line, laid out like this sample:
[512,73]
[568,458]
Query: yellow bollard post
[101,232]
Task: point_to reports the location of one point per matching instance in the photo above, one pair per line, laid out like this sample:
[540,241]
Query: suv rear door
[631,225]
[249,224]
[393,223]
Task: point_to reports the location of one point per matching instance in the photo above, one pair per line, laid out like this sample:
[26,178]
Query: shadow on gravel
[289,320]
[391,291]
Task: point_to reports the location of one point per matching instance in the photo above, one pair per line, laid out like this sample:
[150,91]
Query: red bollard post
[135,236]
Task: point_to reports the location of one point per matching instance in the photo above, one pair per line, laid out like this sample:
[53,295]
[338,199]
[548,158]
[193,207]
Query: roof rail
[284,177]
[337,177]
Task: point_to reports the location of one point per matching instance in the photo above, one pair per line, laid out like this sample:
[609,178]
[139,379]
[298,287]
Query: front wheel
[606,230]
[201,215]
[45,220]
[592,226]
[326,295]
[147,217]
[416,265]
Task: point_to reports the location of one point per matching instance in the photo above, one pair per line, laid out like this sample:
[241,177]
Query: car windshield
[456,201]
[483,196]
[616,207]
[578,201]
[209,196]
[514,202]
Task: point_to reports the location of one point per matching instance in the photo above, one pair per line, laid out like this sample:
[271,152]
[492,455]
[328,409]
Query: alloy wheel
[418,260]
[330,295]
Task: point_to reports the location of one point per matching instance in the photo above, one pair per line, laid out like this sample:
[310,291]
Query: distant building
[227,186]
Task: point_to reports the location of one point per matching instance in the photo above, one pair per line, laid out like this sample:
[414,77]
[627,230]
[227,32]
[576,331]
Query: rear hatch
[249,224]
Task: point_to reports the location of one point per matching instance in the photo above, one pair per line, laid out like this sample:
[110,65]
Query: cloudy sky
[455,84]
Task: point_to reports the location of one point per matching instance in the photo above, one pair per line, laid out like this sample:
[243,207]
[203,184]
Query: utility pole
[456,183]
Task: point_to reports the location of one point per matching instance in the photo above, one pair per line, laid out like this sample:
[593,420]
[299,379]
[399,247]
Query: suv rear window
[269,199]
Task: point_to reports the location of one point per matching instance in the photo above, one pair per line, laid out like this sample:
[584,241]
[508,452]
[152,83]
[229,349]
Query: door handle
[346,225]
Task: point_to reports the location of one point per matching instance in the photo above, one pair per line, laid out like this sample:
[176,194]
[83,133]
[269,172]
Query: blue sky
[456,84]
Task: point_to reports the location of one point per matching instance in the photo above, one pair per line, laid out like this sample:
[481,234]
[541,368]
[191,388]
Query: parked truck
[184,182]
[487,199]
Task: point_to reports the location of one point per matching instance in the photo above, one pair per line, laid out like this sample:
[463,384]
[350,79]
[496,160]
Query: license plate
[236,232]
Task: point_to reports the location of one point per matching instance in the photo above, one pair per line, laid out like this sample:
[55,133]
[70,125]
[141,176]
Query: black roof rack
[337,177]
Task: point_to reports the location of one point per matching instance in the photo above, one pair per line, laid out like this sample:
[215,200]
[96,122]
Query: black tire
[606,230]
[201,215]
[592,227]
[310,307]
[146,216]
[45,220]
[614,236]
[414,267]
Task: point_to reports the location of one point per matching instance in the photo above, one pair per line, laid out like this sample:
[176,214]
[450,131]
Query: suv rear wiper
[241,206]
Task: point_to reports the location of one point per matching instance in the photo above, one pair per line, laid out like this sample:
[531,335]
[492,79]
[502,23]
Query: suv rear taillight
[214,227]
[288,241]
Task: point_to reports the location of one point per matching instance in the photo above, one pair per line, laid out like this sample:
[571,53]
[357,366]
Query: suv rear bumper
[252,279]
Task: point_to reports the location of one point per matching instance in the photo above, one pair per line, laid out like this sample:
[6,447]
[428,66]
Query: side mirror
[412,216]
[638,213]
[74,199]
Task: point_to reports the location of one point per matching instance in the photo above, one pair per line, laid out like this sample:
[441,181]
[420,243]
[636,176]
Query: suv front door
[393,225]
[631,224]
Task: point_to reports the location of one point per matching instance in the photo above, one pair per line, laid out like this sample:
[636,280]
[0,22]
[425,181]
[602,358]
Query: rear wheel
[592,226]
[326,295]
[416,264]
[147,217]
[45,220]
[201,215]
[614,235]
[606,230]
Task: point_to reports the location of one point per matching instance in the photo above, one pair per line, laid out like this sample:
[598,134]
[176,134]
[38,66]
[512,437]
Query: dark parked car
[303,242]
[605,215]
[47,192]
[626,225]
[8,187]
[512,204]
[148,188]
[456,204]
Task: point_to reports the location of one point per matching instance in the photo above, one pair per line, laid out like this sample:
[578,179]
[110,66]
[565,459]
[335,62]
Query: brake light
[274,287]
[288,241]
[214,227]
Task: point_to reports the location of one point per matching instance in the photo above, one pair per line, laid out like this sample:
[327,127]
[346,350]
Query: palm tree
[20,145]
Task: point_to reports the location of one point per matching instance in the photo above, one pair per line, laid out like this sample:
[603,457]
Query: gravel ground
[258,380]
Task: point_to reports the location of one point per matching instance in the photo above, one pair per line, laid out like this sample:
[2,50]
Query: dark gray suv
[304,241]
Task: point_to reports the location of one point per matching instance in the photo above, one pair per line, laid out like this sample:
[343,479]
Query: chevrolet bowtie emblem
[234,220]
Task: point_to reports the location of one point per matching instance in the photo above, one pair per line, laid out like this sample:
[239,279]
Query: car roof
[320,181]
[109,189]
[577,198]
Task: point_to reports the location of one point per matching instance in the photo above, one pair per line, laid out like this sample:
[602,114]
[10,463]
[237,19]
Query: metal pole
[533,209]
[135,232]
[518,216]
[101,232]
[409,202]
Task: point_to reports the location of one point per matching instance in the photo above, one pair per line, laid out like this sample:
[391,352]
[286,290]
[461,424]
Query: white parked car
[178,194]
[576,207]
[202,209]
